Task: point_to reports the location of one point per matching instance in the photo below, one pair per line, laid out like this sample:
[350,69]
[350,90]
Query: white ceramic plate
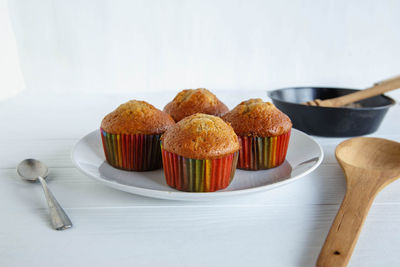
[304,155]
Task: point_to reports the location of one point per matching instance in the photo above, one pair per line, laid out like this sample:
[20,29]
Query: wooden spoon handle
[377,89]
[346,227]
[389,80]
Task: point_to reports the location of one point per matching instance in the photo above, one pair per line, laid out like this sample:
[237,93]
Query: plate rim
[174,194]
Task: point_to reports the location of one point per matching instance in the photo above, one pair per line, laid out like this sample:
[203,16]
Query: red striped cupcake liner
[258,153]
[132,152]
[198,175]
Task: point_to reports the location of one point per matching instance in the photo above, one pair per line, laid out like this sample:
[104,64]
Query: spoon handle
[346,227]
[59,219]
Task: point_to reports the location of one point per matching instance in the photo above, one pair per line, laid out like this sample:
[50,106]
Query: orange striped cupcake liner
[258,153]
[132,152]
[198,175]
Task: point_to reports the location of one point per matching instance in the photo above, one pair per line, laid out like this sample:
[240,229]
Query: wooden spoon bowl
[369,165]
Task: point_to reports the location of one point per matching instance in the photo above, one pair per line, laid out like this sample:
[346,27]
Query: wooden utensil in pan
[378,89]
[369,165]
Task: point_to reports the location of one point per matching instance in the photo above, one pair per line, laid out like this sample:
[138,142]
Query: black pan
[333,122]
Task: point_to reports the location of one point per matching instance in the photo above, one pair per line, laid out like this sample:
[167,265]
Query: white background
[131,46]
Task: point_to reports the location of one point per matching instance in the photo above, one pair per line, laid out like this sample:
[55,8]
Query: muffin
[199,154]
[263,132]
[192,101]
[131,136]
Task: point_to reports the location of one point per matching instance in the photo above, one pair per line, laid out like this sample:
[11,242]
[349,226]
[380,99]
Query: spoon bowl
[31,169]
[369,165]
[369,153]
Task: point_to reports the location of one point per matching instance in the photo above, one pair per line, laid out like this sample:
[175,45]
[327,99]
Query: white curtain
[133,45]
[11,81]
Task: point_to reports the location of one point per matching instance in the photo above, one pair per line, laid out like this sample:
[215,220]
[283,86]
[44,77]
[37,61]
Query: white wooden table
[283,227]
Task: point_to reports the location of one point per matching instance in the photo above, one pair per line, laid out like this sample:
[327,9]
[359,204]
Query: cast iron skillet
[333,122]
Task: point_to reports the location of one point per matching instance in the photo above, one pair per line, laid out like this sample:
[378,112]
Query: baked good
[192,101]
[131,136]
[199,154]
[136,117]
[263,132]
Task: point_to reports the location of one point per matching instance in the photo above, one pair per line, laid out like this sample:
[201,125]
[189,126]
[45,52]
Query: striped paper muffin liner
[132,152]
[258,153]
[198,175]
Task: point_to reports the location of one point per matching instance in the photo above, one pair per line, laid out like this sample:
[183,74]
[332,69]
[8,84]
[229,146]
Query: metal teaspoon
[33,170]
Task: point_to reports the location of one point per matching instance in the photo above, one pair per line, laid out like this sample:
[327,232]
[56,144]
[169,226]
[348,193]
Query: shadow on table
[31,196]
[148,179]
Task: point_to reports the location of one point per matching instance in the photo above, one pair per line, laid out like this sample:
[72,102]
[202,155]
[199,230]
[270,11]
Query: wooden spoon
[369,165]
[378,88]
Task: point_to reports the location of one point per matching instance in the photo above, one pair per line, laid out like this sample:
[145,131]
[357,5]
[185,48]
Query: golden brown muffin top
[136,117]
[257,118]
[192,101]
[201,136]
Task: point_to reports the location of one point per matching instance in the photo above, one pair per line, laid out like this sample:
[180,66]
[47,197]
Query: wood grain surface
[283,227]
